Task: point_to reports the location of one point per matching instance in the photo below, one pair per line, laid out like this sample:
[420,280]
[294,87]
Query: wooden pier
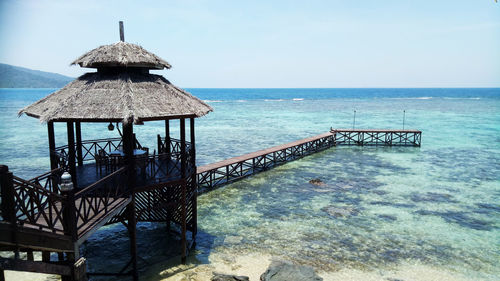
[39,215]
[233,169]
[377,137]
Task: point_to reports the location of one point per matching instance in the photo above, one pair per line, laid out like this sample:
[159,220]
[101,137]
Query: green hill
[20,77]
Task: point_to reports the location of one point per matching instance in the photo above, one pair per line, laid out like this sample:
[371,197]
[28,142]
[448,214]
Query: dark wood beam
[128,149]
[52,145]
[167,135]
[194,180]
[34,239]
[183,147]
[71,152]
[35,266]
[183,196]
[78,131]
[193,146]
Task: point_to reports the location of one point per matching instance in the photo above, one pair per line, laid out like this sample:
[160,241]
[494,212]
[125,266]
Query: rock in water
[286,271]
[317,182]
[226,277]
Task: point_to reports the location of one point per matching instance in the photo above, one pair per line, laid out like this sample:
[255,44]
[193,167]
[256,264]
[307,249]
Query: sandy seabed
[253,265]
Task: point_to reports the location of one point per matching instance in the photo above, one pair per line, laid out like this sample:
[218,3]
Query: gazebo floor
[89,173]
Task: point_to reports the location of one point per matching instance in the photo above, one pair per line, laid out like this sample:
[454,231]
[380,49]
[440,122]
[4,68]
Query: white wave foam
[297,99]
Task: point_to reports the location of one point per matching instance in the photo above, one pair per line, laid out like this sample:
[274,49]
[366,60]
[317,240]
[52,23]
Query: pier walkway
[233,169]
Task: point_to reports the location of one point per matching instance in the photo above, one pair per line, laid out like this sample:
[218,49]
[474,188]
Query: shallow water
[380,208]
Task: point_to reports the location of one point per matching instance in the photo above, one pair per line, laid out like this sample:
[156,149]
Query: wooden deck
[233,169]
[377,137]
[236,168]
[255,154]
[84,228]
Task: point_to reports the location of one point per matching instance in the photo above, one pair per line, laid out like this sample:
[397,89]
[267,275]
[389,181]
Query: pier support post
[52,145]
[7,195]
[132,223]
[167,136]
[194,181]
[183,201]
[71,152]
[79,154]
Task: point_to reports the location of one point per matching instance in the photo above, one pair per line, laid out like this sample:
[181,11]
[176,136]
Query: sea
[380,209]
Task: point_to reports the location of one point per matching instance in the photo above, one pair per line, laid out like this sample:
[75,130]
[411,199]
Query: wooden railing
[163,167]
[96,199]
[90,148]
[38,201]
[174,146]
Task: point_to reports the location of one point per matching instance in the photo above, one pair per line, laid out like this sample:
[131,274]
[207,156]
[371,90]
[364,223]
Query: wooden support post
[45,256]
[78,131]
[8,203]
[133,237]
[194,180]
[69,223]
[52,145]
[183,147]
[167,136]
[71,153]
[7,189]
[29,255]
[128,148]
[158,142]
[183,187]
[183,225]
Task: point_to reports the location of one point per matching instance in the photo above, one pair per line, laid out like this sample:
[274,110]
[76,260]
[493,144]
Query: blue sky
[270,43]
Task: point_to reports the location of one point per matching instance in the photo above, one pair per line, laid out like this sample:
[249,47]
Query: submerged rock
[317,182]
[286,271]
[340,211]
[226,277]
[233,239]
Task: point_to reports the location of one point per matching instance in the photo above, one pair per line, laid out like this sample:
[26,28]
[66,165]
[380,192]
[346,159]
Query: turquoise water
[437,205]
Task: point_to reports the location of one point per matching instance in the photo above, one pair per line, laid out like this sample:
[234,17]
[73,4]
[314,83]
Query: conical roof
[122,90]
[121,54]
[119,97]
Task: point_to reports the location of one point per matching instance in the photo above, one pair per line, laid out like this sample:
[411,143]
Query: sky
[269,44]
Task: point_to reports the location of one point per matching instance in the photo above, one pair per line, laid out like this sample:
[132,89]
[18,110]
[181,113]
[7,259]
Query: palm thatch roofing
[121,54]
[120,96]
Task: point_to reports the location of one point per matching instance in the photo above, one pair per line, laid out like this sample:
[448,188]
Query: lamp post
[404,116]
[66,183]
[69,210]
[354,120]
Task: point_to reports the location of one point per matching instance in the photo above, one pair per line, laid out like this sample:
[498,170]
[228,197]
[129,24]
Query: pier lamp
[66,182]
[111,127]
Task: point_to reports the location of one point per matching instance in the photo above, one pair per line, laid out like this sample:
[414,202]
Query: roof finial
[122,35]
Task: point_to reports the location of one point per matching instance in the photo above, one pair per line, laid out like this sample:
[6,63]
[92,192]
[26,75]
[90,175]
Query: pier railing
[170,145]
[163,167]
[89,150]
[37,202]
[233,169]
[377,137]
[99,198]
[40,204]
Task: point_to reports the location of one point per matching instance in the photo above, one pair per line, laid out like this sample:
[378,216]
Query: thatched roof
[121,54]
[117,97]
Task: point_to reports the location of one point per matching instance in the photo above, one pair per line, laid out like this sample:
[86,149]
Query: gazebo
[115,179]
